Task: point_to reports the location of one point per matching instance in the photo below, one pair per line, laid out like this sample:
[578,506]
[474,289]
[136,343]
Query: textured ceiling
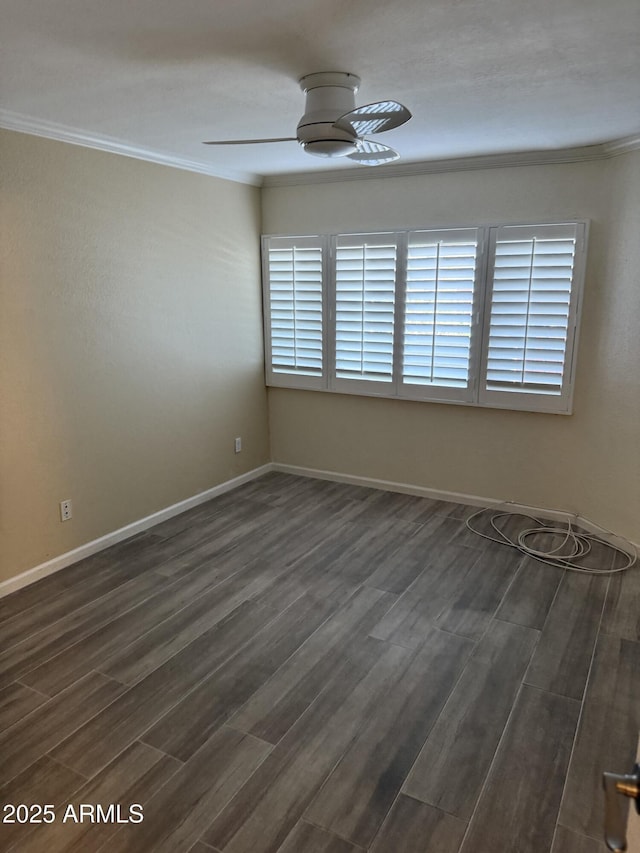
[480,77]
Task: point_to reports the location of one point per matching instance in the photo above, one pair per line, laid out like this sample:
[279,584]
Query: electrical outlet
[238,444]
[66,510]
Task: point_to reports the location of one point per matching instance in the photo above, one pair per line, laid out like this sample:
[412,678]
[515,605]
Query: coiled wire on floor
[574,545]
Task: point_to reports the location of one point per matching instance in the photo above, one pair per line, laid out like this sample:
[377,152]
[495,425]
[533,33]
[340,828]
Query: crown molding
[62,133]
[622,146]
[583,154]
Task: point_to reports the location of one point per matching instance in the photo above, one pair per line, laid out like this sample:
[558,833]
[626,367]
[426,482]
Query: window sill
[510,405]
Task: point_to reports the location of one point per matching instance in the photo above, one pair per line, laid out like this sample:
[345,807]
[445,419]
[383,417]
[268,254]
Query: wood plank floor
[300,666]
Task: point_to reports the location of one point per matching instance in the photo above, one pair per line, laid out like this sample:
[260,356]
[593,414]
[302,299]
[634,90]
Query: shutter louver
[439,305]
[365,294]
[531,306]
[295,308]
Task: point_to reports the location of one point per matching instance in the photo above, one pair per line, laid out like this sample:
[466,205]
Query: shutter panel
[365,276]
[294,271]
[531,308]
[439,308]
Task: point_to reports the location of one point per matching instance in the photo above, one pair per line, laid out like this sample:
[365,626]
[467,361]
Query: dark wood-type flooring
[307,667]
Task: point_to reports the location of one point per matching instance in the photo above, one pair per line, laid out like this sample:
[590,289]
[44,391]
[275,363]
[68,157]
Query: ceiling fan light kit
[330,95]
[332,125]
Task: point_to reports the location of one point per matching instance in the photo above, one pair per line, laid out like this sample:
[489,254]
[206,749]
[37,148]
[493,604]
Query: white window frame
[439,393]
[367,387]
[475,394]
[521,400]
[279,378]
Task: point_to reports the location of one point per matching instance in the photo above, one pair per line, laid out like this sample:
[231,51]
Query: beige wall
[588,462]
[131,345]
[130,342]
[611,483]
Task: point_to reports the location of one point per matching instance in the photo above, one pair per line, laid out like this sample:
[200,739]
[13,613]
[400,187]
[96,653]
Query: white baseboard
[88,549]
[385,485]
[458,497]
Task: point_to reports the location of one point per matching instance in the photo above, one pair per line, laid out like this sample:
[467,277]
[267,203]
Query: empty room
[319,427]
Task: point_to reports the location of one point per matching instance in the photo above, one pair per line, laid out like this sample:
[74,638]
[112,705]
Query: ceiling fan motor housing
[329,96]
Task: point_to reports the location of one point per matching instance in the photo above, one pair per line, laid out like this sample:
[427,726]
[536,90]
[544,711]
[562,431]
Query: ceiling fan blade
[374,118]
[371,153]
[250,141]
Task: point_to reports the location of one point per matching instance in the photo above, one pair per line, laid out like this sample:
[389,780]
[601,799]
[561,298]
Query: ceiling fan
[332,125]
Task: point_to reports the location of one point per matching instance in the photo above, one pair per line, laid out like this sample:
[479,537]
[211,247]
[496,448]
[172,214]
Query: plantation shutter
[533,308]
[293,270]
[484,316]
[365,280]
[439,311]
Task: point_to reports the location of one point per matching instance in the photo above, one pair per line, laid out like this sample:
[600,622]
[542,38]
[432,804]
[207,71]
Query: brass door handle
[615,830]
